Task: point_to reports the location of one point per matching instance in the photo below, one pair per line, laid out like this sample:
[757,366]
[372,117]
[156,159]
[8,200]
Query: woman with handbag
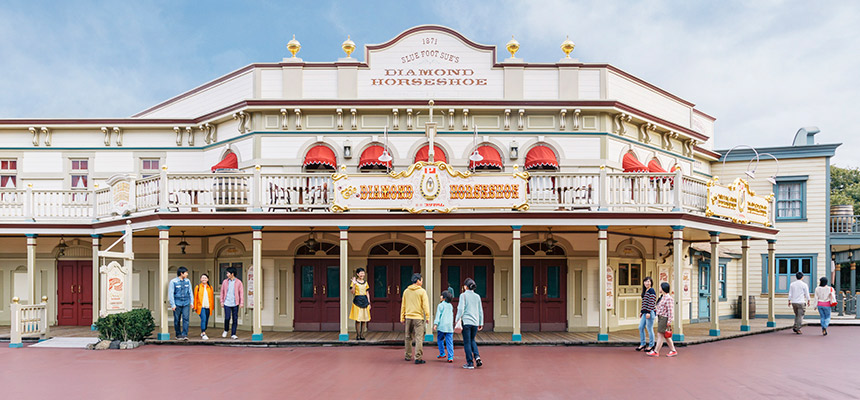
[665,315]
[826,297]
[647,315]
[360,312]
[470,317]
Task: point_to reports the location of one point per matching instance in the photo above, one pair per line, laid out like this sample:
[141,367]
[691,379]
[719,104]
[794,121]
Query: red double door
[388,278]
[454,272]
[543,295]
[317,295]
[74,292]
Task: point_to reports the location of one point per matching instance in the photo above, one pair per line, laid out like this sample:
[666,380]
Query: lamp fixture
[182,243]
[772,178]
[550,243]
[62,247]
[515,150]
[476,156]
[312,243]
[748,172]
[347,149]
[385,157]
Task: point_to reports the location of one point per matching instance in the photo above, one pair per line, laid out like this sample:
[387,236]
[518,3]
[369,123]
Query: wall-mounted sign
[430,187]
[738,203]
[250,284]
[685,280]
[610,288]
[431,63]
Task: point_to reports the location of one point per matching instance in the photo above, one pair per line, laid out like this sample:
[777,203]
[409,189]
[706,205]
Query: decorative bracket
[619,120]
[107,133]
[450,119]
[562,119]
[339,112]
[285,121]
[576,123]
[298,112]
[179,135]
[208,132]
[465,119]
[409,118]
[395,124]
[507,118]
[118,133]
[35,133]
[644,136]
[48,135]
[354,118]
[190,132]
[521,121]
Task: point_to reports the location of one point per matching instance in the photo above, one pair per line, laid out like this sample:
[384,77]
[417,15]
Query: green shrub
[133,325]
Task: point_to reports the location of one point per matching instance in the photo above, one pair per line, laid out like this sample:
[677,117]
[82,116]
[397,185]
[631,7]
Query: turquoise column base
[16,345]
[516,338]
[714,332]
[771,324]
[428,337]
[163,336]
[343,337]
[676,337]
[93,327]
[256,337]
[602,337]
[745,328]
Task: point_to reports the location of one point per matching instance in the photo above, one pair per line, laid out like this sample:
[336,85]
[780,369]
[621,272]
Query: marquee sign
[738,203]
[428,187]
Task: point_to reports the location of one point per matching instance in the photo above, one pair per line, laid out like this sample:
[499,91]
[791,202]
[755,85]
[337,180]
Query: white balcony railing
[28,320]
[304,192]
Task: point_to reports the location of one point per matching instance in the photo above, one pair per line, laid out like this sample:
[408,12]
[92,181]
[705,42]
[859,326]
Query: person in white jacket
[825,295]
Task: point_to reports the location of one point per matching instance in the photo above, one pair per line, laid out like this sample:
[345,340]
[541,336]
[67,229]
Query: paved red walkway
[778,364]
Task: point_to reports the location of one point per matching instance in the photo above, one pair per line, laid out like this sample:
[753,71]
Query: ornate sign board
[121,196]
[738,203]
[114,287]
[427,187]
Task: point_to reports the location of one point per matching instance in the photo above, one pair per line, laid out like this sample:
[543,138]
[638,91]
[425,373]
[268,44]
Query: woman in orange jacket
[204,301]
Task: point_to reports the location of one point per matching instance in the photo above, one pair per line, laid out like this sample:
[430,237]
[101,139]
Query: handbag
[458,328]
[833,302]
[668,333]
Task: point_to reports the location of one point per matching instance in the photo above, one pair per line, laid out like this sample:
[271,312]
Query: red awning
[438,154]
[320,155]
[230,161]
[632,164]
[675,167]
[540,156]
[654,166]
[370,156]
[491,158]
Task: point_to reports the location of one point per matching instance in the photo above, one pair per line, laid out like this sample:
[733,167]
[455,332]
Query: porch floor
[693,334]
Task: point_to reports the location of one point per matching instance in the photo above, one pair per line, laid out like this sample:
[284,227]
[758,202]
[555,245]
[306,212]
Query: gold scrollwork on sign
[523,175]
[338,208]
[348,192]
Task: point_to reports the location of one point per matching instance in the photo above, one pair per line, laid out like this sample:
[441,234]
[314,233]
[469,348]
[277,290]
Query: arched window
[319,249]
[393,249]
[541,248]
[541,158]
[369,160]
[467,249]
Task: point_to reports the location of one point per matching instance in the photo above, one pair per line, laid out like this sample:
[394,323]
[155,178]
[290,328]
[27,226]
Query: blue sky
[763,68]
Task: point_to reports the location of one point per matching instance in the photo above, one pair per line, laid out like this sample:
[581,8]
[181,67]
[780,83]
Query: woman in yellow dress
[360,312]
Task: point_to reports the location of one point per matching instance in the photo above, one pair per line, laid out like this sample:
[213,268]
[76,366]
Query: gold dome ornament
[348,46]
[513,46]
[567,46]
[294,46]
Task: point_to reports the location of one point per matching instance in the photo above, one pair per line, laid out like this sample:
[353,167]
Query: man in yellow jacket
[414,312]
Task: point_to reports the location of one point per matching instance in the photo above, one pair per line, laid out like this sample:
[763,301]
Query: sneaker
[408,359]
[440,356]
[420,361]
[672,354]
[204,337]
[234,337]
[652,354]
[450,360]
[185,338]
[468,366]
[825,332]
[224,334]
[179,338]
[478,362]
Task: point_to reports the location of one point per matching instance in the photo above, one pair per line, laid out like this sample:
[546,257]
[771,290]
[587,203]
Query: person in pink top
[232,297]
[665,315]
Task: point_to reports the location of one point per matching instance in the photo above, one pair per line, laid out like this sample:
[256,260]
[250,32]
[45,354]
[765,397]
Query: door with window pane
[543,295]
[317,301]
[455,271]
[388,278]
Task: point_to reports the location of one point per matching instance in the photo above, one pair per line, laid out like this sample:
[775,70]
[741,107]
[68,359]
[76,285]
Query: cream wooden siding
[271,84]
[806,237]
[319,84]
[221,95]
[540,84]
[635,95]
[589,84]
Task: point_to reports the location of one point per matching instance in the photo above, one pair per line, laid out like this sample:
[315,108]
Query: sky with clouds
[763,68]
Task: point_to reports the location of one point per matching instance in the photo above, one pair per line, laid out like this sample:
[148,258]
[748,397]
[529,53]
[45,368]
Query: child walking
[204,300]
[444,326]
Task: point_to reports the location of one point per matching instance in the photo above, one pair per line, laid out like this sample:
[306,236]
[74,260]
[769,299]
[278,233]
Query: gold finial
[348,46]
[567,46]
[513,46]
[294,46]
[15,300]
[44,299]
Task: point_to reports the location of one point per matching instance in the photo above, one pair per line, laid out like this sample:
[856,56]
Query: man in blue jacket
[179,295]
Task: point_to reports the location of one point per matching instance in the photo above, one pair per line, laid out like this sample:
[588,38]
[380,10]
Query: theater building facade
[557,186]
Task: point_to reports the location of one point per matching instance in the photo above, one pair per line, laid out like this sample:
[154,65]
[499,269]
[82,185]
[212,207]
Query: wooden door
[317,300]
[329,274]
[704,290]
[74,293]
[454,272]
[529,298]
[388,279]
[543,295]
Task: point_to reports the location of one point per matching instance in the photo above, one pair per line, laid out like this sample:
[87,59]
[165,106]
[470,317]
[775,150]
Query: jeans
[445,341]
[799,310]
[204,319]
[180,320]
[414,333]
[647,324]
[825,316]
[231,312]
[469,344]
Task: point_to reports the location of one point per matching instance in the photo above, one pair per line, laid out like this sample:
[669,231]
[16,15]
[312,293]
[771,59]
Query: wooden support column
[428,276]
[677,260]
[96,289]
[257,254]
[517,335]
[31,267]
[603,261]
[344,277]
[715,284]
[771,280]
[163,249]
[745,289]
